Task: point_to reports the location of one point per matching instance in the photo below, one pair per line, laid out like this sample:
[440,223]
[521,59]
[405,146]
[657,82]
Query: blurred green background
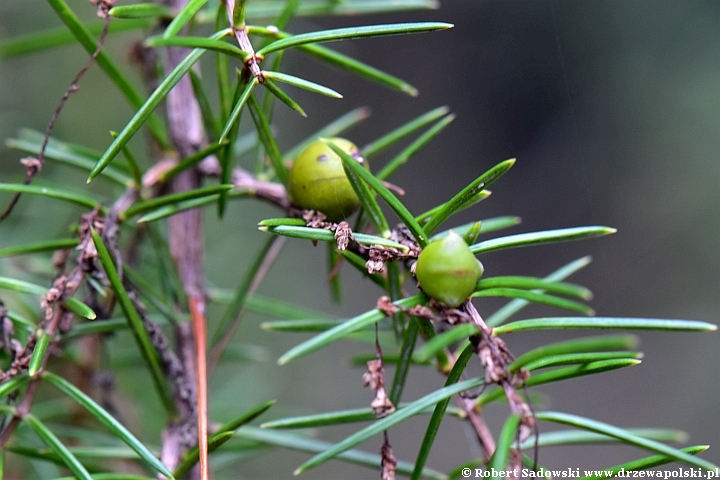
[613,112]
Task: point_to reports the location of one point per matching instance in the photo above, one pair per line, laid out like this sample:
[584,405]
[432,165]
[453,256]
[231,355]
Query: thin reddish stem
[197,317]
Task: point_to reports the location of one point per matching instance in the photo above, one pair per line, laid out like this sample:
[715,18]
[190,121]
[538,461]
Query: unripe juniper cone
[447,270]
[318,180]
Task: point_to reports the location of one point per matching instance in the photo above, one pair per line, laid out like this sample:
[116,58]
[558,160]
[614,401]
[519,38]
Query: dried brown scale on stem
[343,235]
[381,404]
[103,7]
[421,311]
[385,305]
[315,219]
[402,235]
[376,255]
[20,355]
[7,331]
[388,462]
[375,379]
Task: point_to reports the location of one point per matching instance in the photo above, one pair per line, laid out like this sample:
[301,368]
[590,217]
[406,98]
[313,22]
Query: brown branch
[55,317]
[482,432]
[186,229]
[244,181]
[240,32]
[274,193]
[179,436]
[496,358]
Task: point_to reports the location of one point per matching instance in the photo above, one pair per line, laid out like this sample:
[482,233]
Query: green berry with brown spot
[318,180]
[447,270]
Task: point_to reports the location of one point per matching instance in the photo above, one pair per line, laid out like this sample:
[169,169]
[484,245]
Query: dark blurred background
[613,112]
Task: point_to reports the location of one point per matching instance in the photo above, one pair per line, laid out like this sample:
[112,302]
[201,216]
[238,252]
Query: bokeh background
[613,112]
